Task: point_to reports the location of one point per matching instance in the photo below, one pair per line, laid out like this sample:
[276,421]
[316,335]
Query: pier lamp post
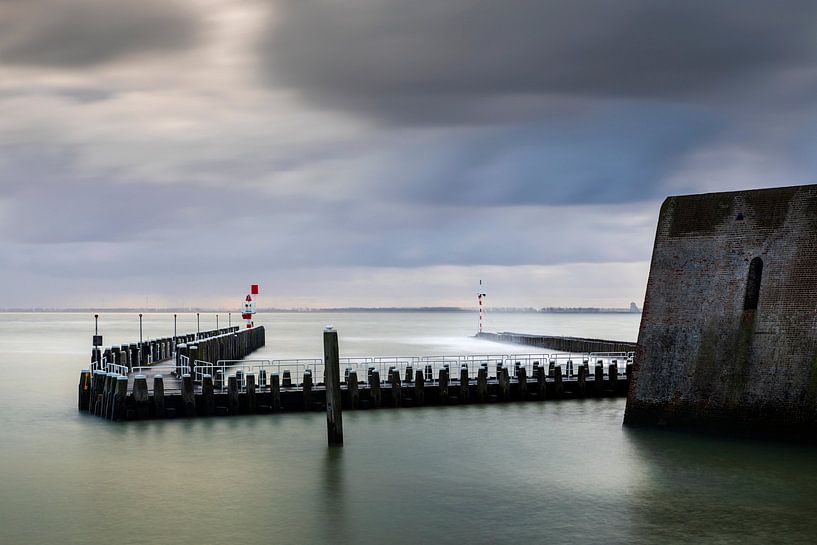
[140,338]
[229,319]
[96,325]
[216,321]
[174,331]
[198,327]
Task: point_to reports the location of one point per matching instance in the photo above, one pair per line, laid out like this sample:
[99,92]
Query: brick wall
[704,361]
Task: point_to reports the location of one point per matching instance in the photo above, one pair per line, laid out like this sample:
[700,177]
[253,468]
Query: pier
[562,344]
[212,377]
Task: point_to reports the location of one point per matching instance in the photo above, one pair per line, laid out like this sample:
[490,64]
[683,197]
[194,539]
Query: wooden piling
[275,393]
[334,412]
[539,373]
[354,391]
[208,396]
[503,384]
[97,381]
[188,395]
[374,389]
[558,385]
[581,382]
[465,389]
[84,390]
[522,383]
[482,385]
[598,378]
[140,397]
[252,406]
[612,374]
[419,387]
[396,390]
[442,387]
[120,394]
[307,390]
[158,396]
[233,406]
[287,379]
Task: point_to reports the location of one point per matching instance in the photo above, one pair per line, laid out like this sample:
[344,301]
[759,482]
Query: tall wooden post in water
[331,359]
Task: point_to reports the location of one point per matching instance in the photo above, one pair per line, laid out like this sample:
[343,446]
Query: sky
[168,153]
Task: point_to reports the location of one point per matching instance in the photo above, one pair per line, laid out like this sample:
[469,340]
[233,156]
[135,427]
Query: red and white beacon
[248,308]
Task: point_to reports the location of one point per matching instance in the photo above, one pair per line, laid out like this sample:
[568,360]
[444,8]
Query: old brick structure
[728,336]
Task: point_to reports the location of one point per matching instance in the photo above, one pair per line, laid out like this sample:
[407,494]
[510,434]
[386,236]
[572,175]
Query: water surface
[553,472]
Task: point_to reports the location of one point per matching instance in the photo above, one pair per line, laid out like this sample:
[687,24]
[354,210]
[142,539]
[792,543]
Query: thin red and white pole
[480,296]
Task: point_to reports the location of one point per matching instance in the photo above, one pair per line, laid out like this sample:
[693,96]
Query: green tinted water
[554,472]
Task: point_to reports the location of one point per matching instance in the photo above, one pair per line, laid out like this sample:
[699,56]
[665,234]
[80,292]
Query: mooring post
[188,396]
[374,389]
[140,396]
[307,390]
[396,394]
[158,396]
[502,383]
[251,398]
[208,396]
[465,391]
[558,385]
[84,390]
[275,392]
[581,383]
[541,381]
[120,394]
[612,372]
[354,392]
[482,384]
[598,378]
[442,388]
[233,407]
[334,412]
[419,387]
[522,383]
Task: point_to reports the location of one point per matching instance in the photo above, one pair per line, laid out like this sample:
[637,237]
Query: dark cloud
[81,33]
[473,61]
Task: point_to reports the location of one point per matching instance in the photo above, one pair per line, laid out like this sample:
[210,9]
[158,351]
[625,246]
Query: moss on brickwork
[770,206]
[700,214]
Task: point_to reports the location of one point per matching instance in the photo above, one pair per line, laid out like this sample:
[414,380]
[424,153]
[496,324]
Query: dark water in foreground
[554,472]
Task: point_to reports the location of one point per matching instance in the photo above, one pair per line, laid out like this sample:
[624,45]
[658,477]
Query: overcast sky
[380,152]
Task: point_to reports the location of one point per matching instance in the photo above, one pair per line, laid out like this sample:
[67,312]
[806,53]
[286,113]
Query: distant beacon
[248,308]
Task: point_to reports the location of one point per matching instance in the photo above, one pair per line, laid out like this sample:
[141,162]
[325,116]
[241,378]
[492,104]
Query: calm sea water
[554,472]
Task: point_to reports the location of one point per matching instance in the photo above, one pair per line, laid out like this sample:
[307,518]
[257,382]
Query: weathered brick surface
[704,361]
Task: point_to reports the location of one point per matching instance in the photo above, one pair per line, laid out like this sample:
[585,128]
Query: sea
[519,473]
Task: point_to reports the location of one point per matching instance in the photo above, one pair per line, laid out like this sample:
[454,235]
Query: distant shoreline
[547,310]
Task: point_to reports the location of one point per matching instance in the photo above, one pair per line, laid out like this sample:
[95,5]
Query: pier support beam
[334,409]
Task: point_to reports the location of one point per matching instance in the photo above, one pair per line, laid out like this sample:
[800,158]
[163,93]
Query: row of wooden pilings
[229,346]
[105,394]
[151,351]
[251,393]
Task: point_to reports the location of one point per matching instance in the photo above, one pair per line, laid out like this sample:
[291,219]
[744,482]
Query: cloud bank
[375,152]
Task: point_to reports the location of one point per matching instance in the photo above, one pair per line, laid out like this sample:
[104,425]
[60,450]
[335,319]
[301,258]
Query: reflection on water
[555,472]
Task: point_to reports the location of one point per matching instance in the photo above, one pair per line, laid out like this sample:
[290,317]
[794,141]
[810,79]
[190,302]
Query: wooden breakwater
[148,352]
[415,382]
[575,345]
[112,387]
